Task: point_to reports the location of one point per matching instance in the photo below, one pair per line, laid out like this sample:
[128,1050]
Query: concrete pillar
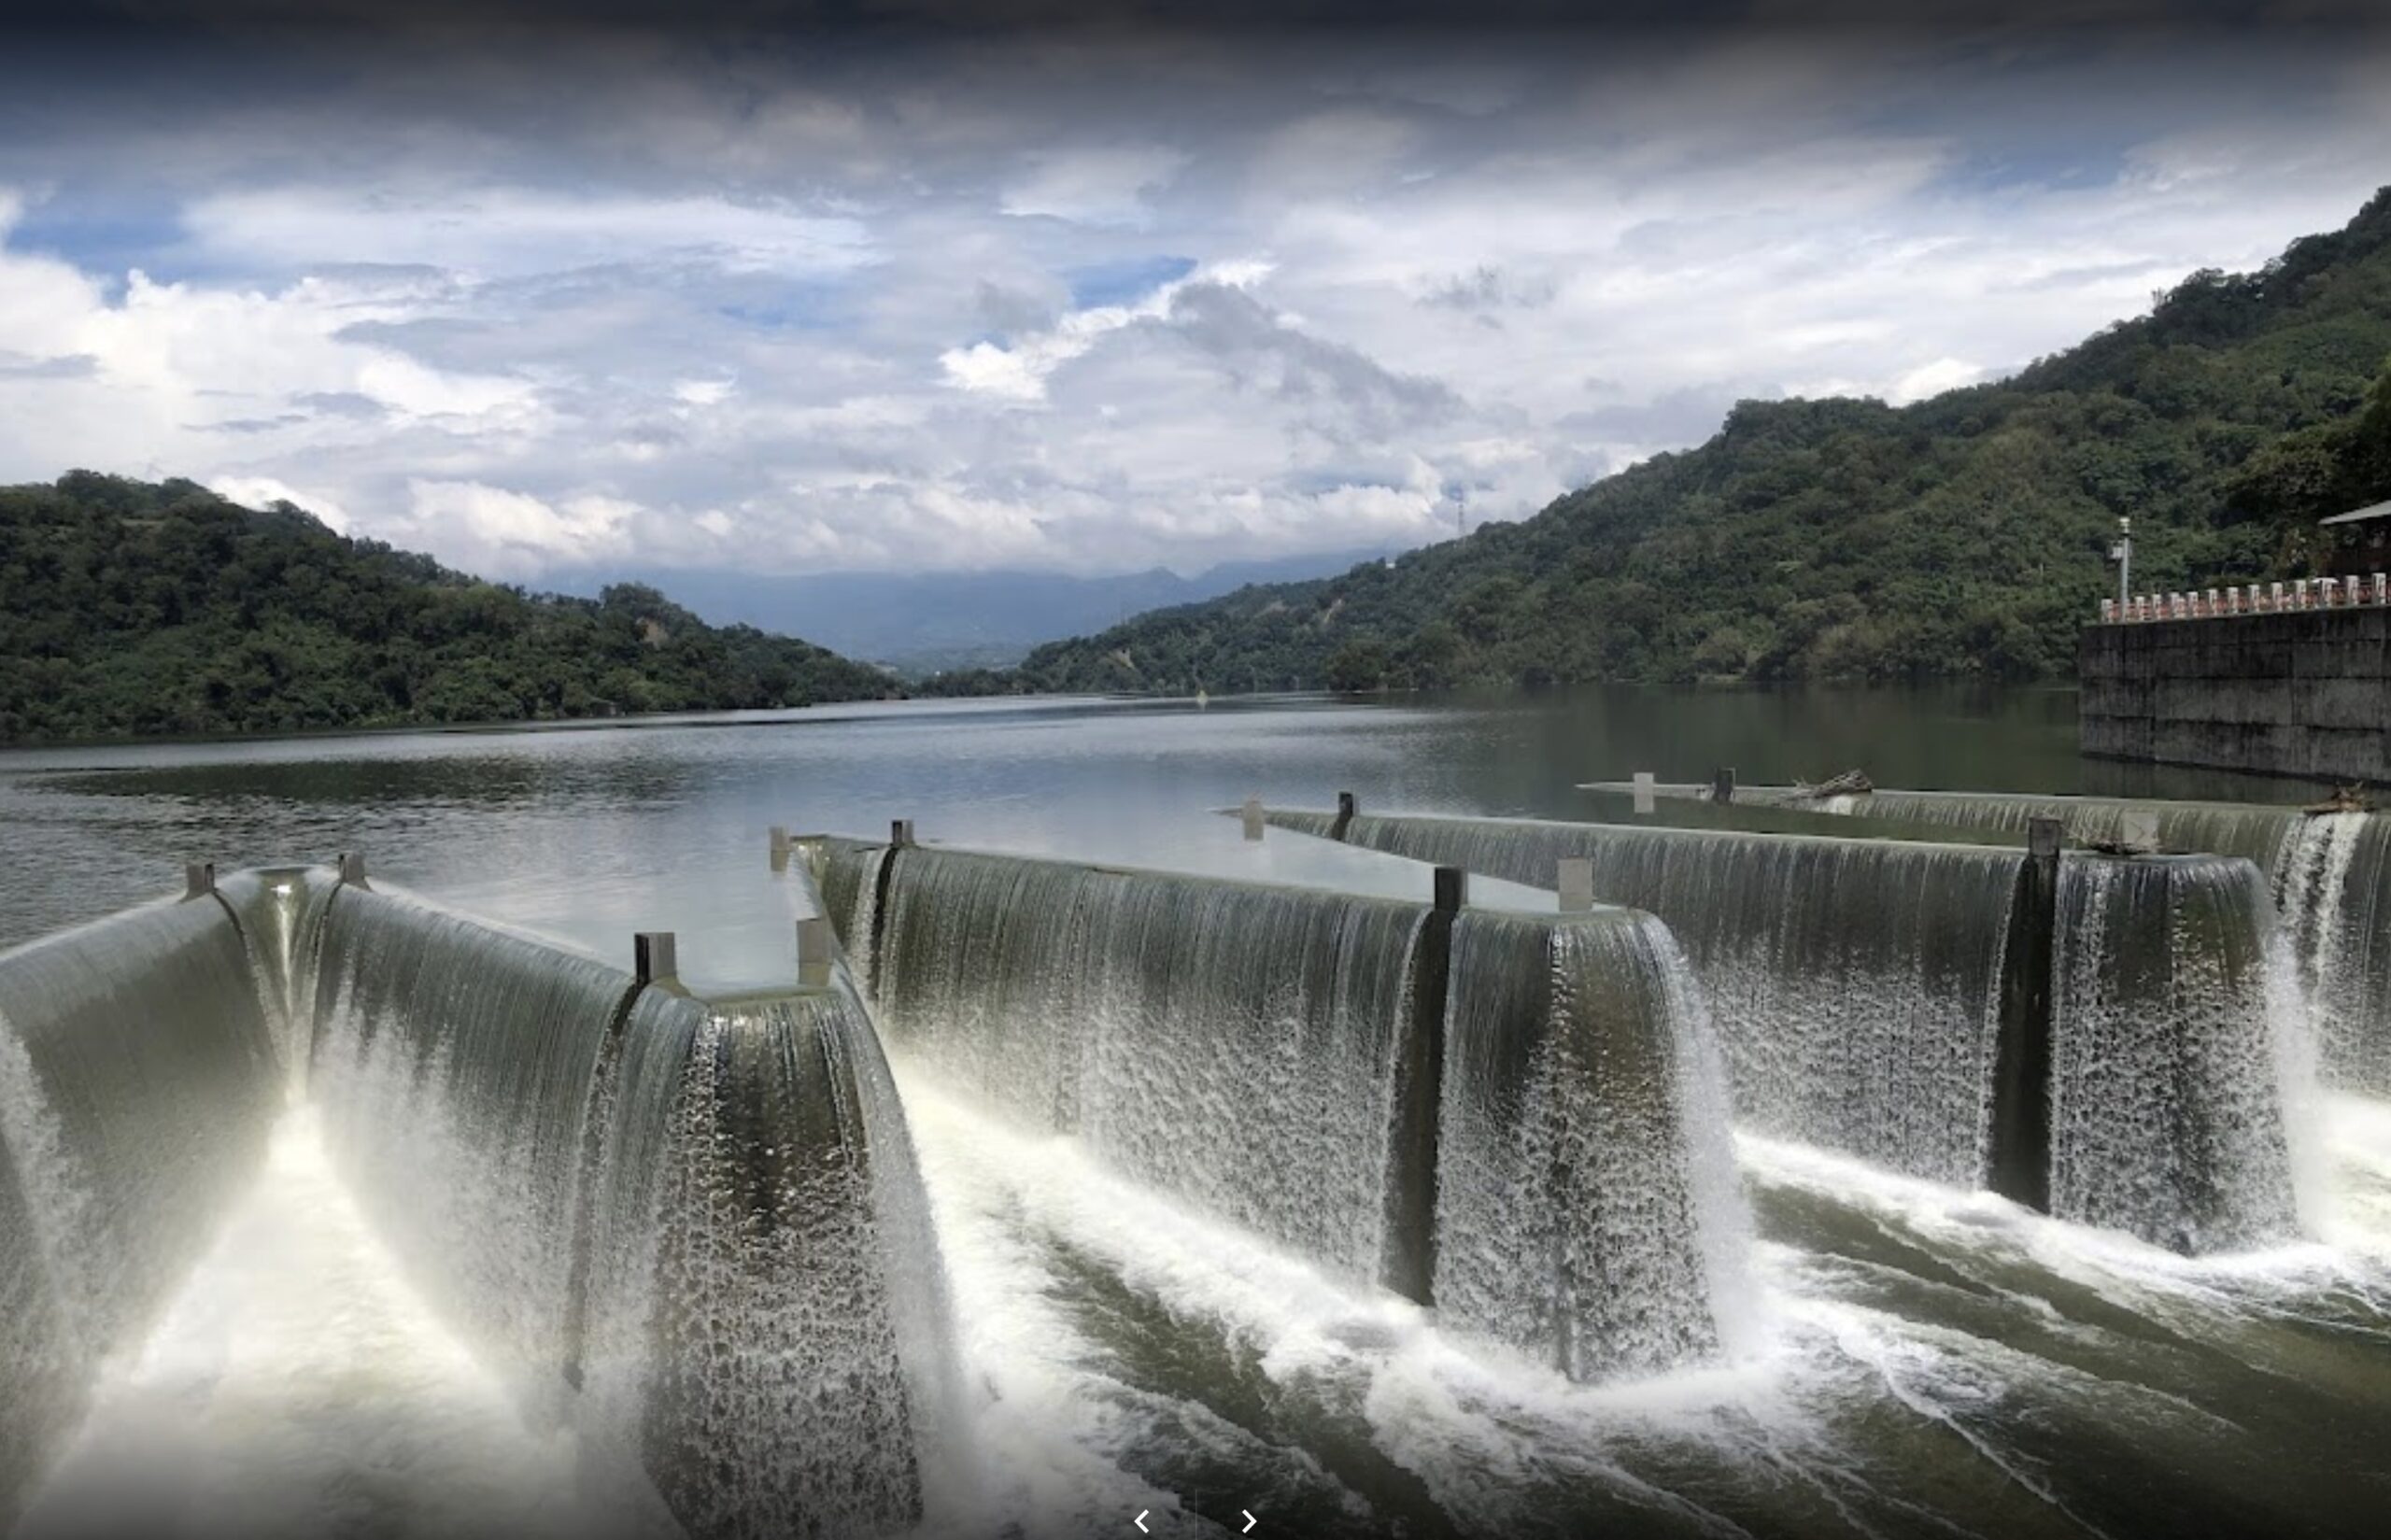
[1576,884]
[654,957]
[352,869]
[780,848]
[817,944]
[1722,785]
[1250,815]
[199,879]
[1408,1259]
[1349,807]
[2021,1158]
[1644,791]
[900,831]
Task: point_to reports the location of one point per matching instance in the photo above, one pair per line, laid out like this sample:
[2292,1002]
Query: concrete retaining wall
[2297,695]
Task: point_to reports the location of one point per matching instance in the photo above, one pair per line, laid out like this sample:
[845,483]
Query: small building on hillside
[2358,542]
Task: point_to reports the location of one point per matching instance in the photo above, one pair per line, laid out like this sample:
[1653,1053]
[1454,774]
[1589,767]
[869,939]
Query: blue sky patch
[1121,282]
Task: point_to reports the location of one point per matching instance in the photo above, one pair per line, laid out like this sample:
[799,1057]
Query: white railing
[2309,593]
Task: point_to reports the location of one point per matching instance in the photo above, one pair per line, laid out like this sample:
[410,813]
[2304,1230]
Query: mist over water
[1898,1355]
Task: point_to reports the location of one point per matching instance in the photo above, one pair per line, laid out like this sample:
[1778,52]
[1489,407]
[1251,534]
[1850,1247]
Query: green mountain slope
[132,608]
[1961,536]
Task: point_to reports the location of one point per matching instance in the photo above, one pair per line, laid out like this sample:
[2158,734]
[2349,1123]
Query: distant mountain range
[921,622]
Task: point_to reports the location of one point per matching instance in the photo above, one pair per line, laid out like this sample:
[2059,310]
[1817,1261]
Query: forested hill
[1961,536]
[127,608]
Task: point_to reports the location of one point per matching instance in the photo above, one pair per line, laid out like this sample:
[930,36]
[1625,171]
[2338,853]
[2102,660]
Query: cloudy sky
[770,301]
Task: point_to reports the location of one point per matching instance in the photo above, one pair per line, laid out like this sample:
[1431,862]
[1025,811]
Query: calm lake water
[1922,1362]
[595,832]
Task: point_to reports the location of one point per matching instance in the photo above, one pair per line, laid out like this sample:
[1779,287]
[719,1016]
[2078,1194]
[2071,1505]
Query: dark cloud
[341,404]
[1260,352]
[1687,416]
[252,425]
[984,16]
[1004,309]
[65,366]
[1490,287]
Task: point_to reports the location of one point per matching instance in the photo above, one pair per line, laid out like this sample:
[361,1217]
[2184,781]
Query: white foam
[296,1386]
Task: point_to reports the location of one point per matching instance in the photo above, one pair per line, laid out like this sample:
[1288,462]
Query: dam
[670,1222]
[2329,867]
[1357,1189]
[1515,1117]
[2107,1039]
[2274,690]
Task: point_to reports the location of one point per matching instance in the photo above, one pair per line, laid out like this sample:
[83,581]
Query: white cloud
[510,232]
[668,308]
[1933,379]
[1106,186]
[264,491]
[1017,371]
[505,534]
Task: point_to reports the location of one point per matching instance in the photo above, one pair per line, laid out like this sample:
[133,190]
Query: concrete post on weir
[199,879]
[655,958]
[2020,1159]
[780,848]
[1644,792]
[816,944]
[867,956]
[1576,884]
[1347,807]
[352,869]
[1722,785]
[1410,1257]
[1251,814]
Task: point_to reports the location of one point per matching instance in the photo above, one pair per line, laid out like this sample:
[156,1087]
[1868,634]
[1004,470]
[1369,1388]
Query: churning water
[322,1346]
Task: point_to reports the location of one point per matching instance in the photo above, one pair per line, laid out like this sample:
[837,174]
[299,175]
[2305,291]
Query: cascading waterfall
[45,1362]
[668,1205]
[2330,874]
[2332,883]
[138,1084]
[1320,1069]
[454,1064]
[1857,982]
[2167,1110]
[1231,1044]
[277,908]
[2217,828]
[782,1389]
[1584,1128]
[1864,988]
